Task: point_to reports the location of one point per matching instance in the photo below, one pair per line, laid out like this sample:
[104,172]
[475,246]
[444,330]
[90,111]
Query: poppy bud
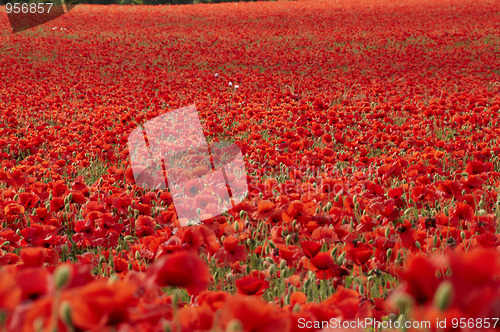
[403,301]
[387,232]
[334,252]
[462,235]
[444,295]
[481,212]
[138,255]
[336,199]
[61,276]
[236,226]
[272,245]
[242,214]
[50,196]
[355,199]
[389,253]
[296,307]
[282,264]
[128,238]
[340,259]
[417,244]
[167,327]
[434,240]
[16,197]
[272,269]
[65,313]
[234,326]
[328,206]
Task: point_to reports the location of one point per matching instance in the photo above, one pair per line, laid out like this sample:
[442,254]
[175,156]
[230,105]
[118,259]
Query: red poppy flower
[33,257]
[358,252]
[181,269]
[250,285]
[145,225]
[254,314]
[310,248]
[420,279]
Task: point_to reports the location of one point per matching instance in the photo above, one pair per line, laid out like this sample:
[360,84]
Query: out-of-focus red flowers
[368,148]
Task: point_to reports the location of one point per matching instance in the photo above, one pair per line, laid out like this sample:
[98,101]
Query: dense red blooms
[370,134]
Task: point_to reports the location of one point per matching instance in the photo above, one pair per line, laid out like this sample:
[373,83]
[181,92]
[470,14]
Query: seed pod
[389,253]
[444,295]
[62,274]
[65,313]
[341,258]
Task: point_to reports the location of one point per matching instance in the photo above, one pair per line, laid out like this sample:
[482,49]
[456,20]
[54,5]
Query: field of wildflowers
[370,132]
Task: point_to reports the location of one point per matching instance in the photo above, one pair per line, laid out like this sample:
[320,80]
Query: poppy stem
[55,310]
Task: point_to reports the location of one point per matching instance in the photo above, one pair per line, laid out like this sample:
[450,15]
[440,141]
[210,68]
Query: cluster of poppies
[370,135]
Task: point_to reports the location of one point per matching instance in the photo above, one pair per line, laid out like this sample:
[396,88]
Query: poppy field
[370,133]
